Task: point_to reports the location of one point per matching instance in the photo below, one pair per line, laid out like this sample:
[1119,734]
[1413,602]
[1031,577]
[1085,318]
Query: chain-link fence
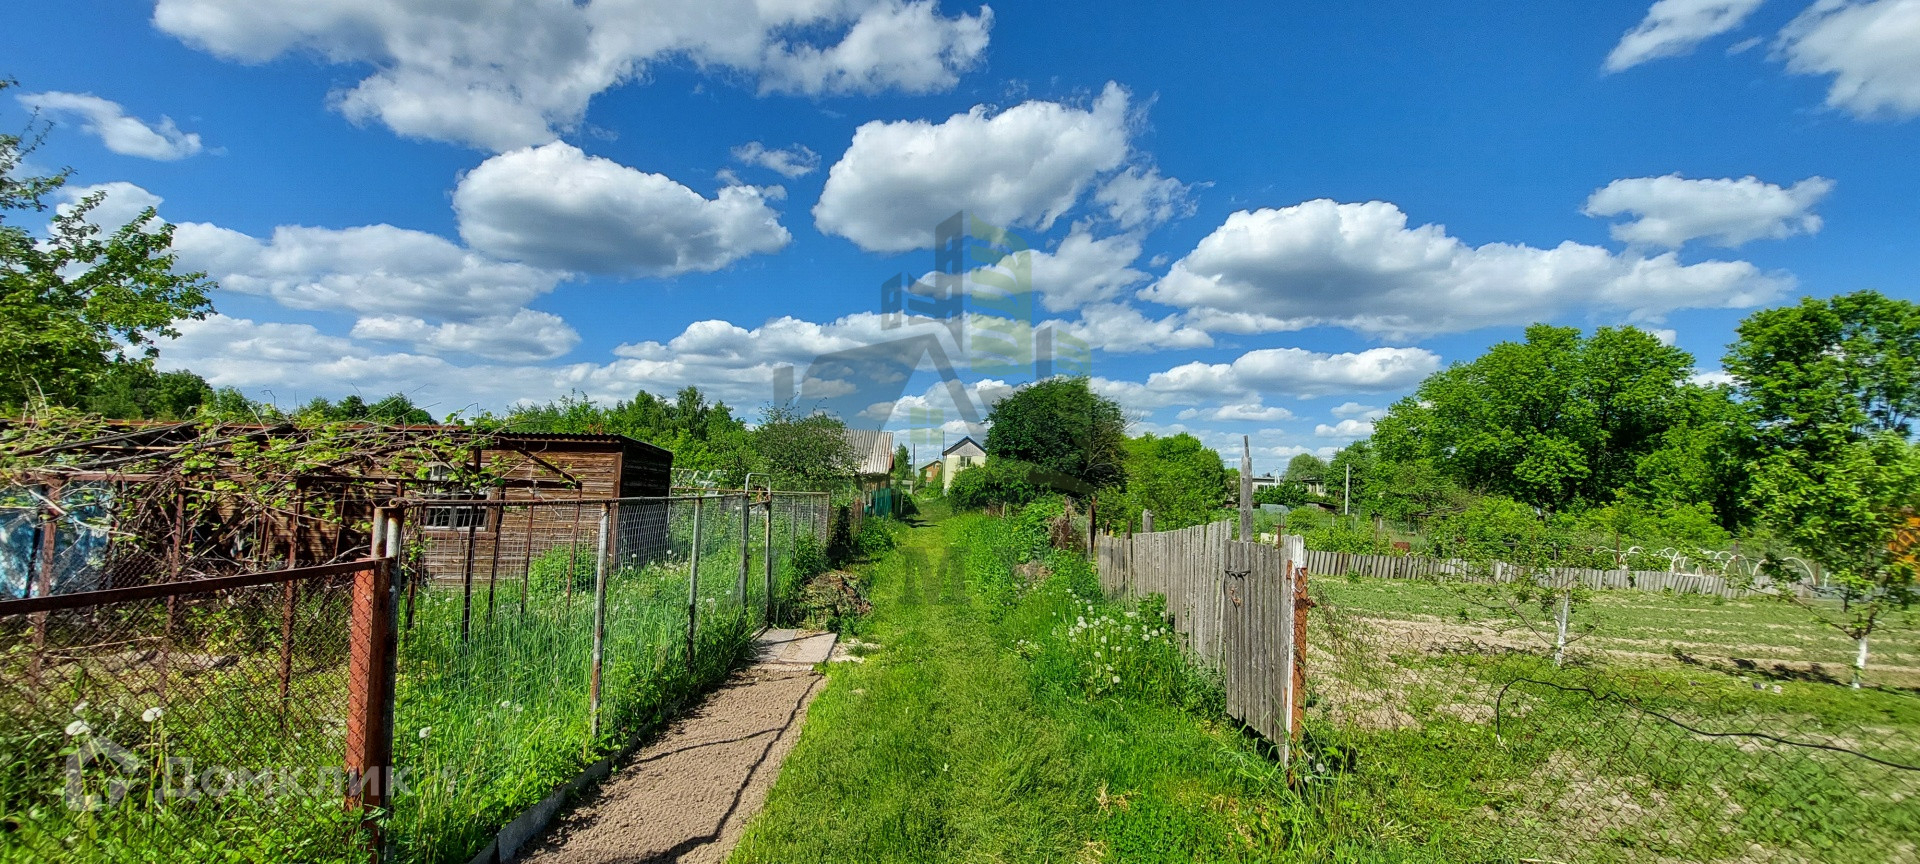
[538,636]
[140,723]
[1650,727]
[231,716]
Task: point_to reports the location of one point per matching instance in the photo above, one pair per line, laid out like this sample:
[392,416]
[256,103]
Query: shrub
[553,570]
[997,483]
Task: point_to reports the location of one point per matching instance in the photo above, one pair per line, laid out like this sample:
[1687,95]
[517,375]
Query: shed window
[453,516]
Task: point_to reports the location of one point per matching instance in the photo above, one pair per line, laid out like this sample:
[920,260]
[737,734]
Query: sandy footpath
[687,797]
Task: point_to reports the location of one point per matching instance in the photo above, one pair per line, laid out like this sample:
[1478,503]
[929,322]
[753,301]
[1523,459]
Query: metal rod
[599,629]
[693,584]
[746,537]
[767,555]
[83,599]
[466,586]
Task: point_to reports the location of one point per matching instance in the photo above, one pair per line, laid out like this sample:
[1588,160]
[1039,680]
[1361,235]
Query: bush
[840,537]
[553,570]
[877,535]
[997,483]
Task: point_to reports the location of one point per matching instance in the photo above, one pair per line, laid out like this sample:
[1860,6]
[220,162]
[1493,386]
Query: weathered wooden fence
[1240,605]
[1410,567]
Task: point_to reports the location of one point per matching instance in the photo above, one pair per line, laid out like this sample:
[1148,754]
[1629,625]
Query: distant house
[964,454]
[1264,481]
[873,458]
[930,472]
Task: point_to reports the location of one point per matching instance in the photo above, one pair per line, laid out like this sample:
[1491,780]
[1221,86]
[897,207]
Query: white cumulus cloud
[1348,428]
[1870,47]
[502,74]
[1360,267]
[1671,210]
[1025,166]
[555,206]
[525,336]
[120,133]
[371,269]
[1675,27]
[119,202]
[788,162]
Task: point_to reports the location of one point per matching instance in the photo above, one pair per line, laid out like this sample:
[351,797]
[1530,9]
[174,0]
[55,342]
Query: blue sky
[1266,220]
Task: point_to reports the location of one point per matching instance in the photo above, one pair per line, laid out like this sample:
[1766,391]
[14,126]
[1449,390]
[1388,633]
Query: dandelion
[1116,679]
[151,714]
[80,707]
[425,731]
[78,727]
[506,703]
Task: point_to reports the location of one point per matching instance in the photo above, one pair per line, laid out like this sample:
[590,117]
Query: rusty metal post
[43,579]
[466,586]
[526,560]
[493,558]
[693,582]
[599,628]
[573,553]
[369,758]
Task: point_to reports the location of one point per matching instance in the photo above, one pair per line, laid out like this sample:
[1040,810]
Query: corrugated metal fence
[1241,606]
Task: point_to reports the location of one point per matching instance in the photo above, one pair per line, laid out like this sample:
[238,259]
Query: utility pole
[1346,498]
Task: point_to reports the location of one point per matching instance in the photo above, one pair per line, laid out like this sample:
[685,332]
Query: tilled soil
[688,796]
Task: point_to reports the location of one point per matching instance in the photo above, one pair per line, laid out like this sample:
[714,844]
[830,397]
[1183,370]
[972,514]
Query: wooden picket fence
[1410,567]
[1241,606]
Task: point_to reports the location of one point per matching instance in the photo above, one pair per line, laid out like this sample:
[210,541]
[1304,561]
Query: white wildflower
[425,731]
[78,727]
[1116,679]
[151,714]
[80,707]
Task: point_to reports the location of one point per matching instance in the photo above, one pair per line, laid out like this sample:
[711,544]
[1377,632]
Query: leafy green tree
[84,297]
[1306,467]
[1833,386]
[1287,493]
[1062,427]
[1557,421]
[703,435]
[810,452]
[1181,480]
[134,390]
[395,410]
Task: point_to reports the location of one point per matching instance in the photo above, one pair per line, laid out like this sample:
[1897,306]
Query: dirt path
[688,796]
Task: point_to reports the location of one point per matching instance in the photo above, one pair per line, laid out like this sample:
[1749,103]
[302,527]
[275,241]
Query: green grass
[985,729]
[485,727]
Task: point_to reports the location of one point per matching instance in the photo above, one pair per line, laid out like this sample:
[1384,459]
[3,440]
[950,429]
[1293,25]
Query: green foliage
[84,297]
[840,549]
[996,483]
[809,558]
[1558,421]
[1305,467]
[134,390]
[807,453]
[1178,478]
[1075,437]
[395,410]
[1833,386]
[563,569]
[703,436]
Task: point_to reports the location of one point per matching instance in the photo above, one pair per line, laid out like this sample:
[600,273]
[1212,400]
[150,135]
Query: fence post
[369,757]
[1146,521]
[693,581]
[1246,489]
[768,618]
[599,628]
[746,536]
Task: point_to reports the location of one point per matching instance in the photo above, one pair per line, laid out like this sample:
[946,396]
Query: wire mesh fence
[538,636]
[1671,728]
[209,715]
[231,716]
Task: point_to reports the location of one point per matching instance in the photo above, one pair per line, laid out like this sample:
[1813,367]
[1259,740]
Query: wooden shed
[553,472]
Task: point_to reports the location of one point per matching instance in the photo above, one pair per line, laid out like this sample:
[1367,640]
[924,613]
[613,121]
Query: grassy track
[986,727]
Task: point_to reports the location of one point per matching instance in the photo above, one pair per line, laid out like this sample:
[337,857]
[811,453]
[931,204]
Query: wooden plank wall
[1232,601]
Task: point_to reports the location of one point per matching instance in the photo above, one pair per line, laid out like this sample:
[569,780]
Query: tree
[395,410]
[1832,387]
[1287,493]
[134,390]
[84,298]
[704,436]
[1181,480]
[995,483]
[1306,467]
[1061,427]
[1557,421]
[808,452]
[902,465]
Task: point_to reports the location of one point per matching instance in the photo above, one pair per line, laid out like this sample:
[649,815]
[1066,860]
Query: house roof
[873,449]
[965,440]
